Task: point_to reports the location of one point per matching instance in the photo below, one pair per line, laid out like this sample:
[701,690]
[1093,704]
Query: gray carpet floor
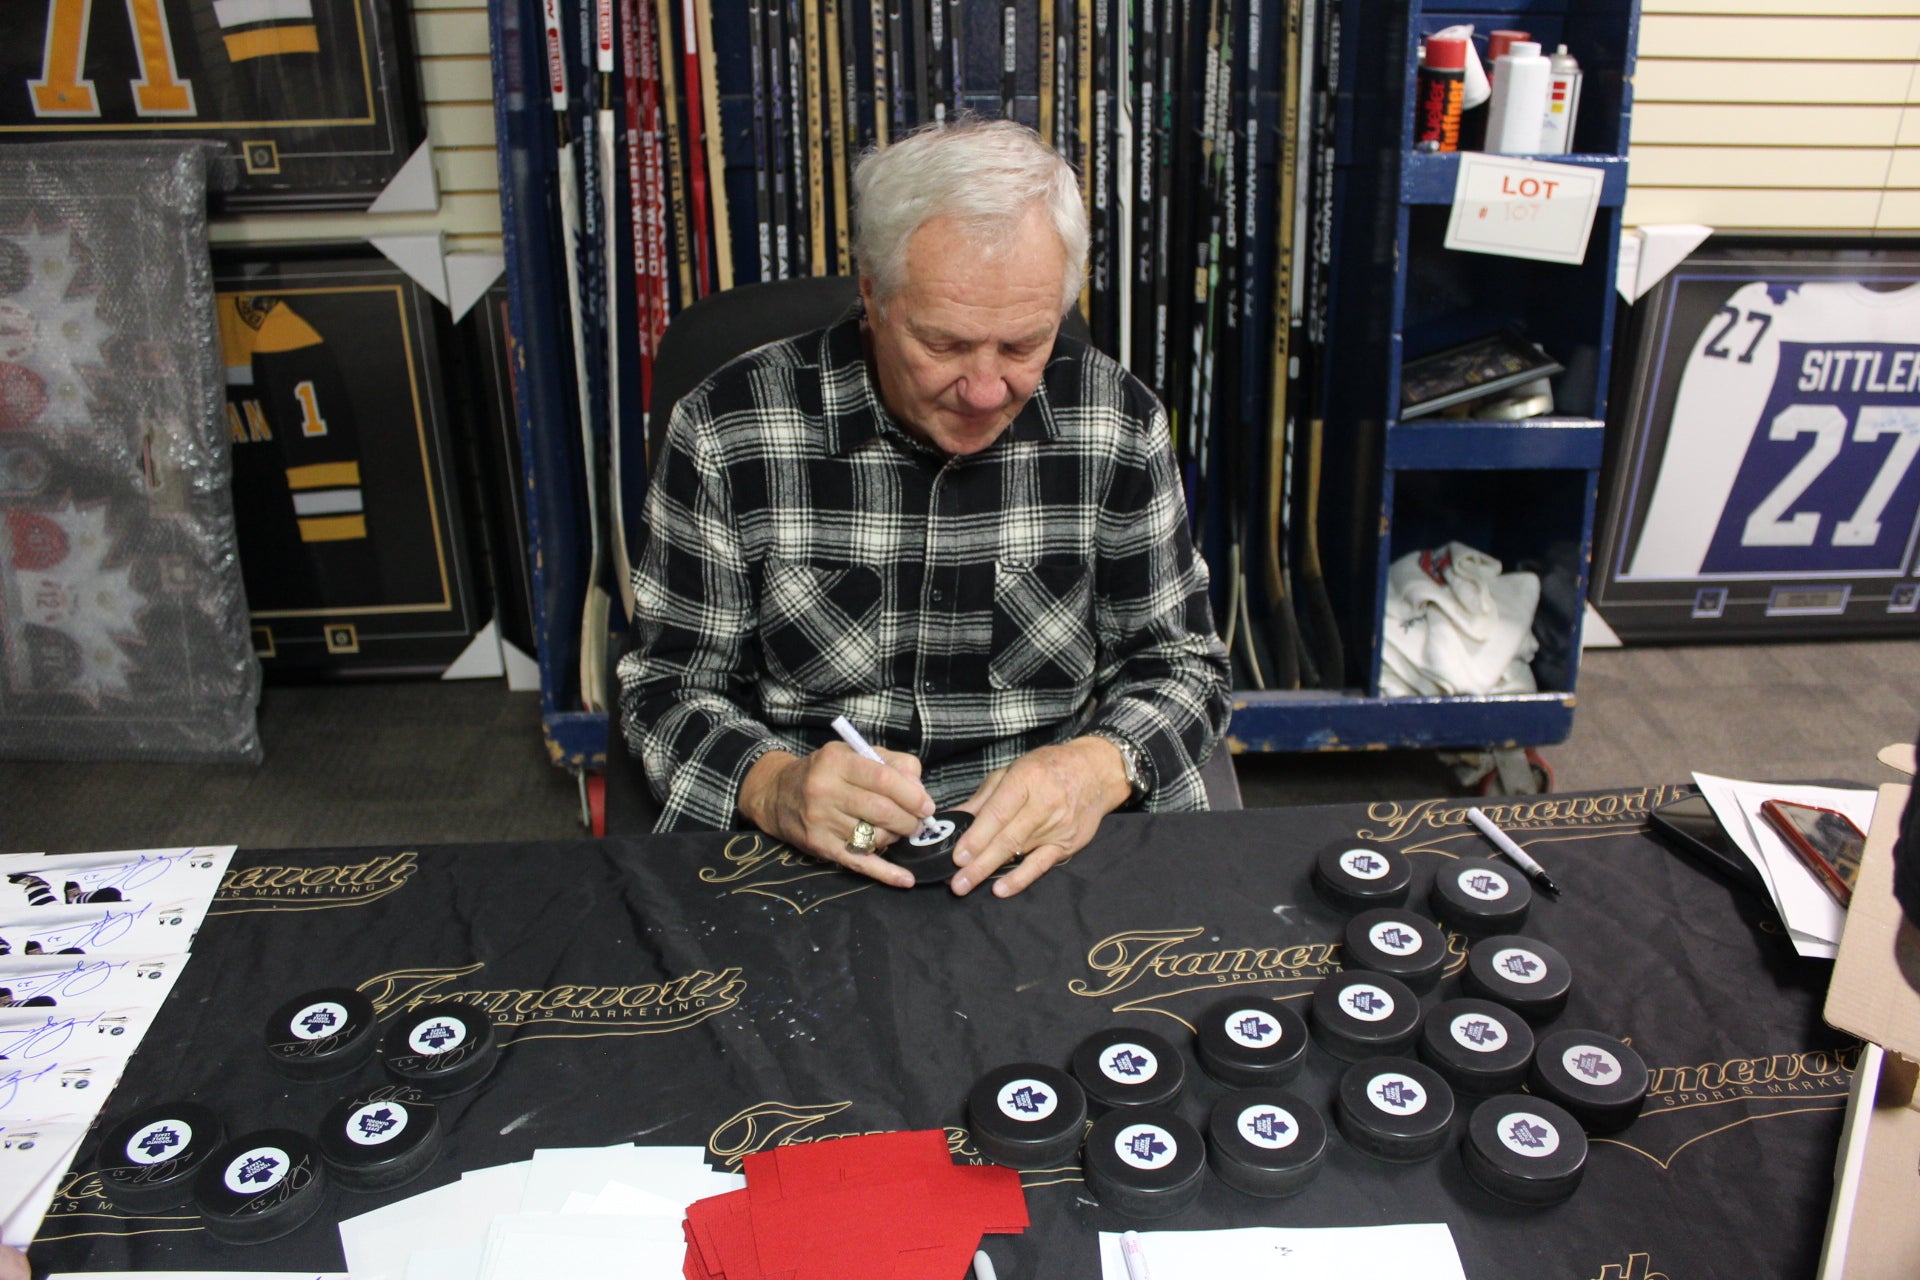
[460,762]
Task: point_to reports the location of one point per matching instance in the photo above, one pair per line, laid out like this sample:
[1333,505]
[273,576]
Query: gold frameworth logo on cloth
[1687,1104]
[648,1008]
[771,869]
[1638,1266]
[268,888]
[1151,966]
[1426,827]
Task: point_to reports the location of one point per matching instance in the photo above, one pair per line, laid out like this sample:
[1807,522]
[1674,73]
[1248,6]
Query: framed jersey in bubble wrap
[1762,479]
[314,100]
[346,485]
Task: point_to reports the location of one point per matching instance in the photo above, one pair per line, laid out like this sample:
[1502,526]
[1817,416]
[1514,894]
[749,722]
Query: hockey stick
[676,161]
[1044,42]
[896,67]
[837,131]
[816,143]
[1121,248]
[786,253]
[1321,630]
[1009,59]
[610,222]
[956,60]
[721,251]
[882,93]
[1283,635]
[695,150]
[762,166]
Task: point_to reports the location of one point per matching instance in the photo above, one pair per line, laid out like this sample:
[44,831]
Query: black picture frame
[1781,497]
[314,103]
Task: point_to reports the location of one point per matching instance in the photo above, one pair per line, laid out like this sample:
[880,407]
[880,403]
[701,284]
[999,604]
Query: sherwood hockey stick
[762,160]
[1283,633]
[1321,630]
[721,247]
[676,159]
[610,222]
[696,152]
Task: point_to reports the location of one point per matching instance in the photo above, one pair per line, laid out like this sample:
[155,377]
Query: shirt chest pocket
[819,626]
[1042,625]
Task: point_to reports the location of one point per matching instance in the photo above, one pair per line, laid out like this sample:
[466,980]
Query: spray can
[1437,93]
[1519,107]
[1563,104]
[1473,118]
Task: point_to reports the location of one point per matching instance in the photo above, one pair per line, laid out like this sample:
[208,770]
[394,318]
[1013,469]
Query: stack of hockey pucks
[1140,1158]
[1261,1139]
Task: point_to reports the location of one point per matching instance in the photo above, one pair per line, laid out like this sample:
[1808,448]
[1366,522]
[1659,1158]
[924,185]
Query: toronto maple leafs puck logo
[1145,1146]
[1479,1033]
[1526,1134]
[437,1035]
[158,1141]
[1484,885]
[1129,1064]
[375,1123]
[1520,965]
[1363,864]
[1396,1093]
[259,1169]
[1368,1003]
[1251,1029]
[1027,1100]
[319,1020]
[1592,1063]
[1269,1127]
[1395,939]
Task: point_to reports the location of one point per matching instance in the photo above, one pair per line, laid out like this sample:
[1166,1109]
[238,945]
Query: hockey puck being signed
[1598,1078]
[1027,1115]
[1527,976]
[442,1048]
[1128,1067]
[1525,1149]
[1354,879]
[1397,942]
[1478,898]
[1395,1109]
[375,1143]
[1477,1046]
[1358,1014]
[1265,1142]
[322,1034]
[1144,1162]
[148,1161]
[1250,1042]
[260,1186]
[928,853]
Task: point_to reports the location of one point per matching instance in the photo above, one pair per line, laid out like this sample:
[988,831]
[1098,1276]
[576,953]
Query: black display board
[1761,480]
[715,990]
[314,100]
[346,492]
[487,356]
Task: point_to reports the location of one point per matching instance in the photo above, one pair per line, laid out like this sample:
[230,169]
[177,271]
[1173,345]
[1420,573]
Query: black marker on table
[1521,858]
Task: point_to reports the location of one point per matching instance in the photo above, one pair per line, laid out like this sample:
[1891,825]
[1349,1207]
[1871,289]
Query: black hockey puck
[1250,1043]
[1596,1077]
[1144,1162]
[1395,1108]
[1525,1149]
[1527,976]
[1358,1014]
[1478,898]
[1395,941]
[1357,878]
[442,1048]
[260,1186]
[1265,1142]
[928,853]
[147,1162]
[1128,1067]
[322,1034]
[1027,1115]
[1478,1047]
[375,1144]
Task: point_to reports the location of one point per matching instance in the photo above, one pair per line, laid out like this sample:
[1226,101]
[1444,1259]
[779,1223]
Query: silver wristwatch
[1133,760]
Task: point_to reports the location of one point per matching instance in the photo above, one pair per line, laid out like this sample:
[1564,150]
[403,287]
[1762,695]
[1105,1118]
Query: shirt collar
[850,405]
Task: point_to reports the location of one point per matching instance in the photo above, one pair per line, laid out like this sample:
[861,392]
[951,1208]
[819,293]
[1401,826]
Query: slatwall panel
[450,38]
[1778,115]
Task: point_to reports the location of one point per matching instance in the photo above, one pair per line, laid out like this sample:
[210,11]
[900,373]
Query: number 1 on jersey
[61,91]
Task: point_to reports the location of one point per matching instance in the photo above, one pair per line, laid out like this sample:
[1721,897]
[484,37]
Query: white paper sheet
[125,928]
[378,1244]
[1813,919]
[1415,1251]
[33,1159]
[554,1244]
[75,983]
[35,1036]
[56,1087]
[129,875]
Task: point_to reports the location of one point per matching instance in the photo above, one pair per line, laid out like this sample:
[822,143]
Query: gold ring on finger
[862,839]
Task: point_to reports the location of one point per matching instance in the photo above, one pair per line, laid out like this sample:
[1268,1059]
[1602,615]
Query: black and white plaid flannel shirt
[807,558]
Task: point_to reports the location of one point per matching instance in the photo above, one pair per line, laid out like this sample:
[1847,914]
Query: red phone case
[1836,877]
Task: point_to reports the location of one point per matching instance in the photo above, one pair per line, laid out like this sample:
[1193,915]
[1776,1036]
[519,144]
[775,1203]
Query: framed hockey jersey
[314,100]
[347,487]
[1761,482]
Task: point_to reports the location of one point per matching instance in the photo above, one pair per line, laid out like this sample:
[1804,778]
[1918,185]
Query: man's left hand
[1045,805]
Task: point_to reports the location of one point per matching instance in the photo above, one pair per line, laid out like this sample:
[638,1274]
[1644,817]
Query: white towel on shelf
[1457,625]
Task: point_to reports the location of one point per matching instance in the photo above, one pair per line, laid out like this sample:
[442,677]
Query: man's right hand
[814,802]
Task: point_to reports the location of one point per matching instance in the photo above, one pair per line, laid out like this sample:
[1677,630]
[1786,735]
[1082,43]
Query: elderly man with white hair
[944,520]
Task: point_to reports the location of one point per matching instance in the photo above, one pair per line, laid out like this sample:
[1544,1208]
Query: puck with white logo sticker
[1598,1078]
[1360,1014]
[1358,878]
[1394,1109]
[260,1186]
[1128,1067]
[1027,1115]
[1527,976]
[148,1161]
[1249,1042]
[377,1143]
[442,1048]
[1265,1142]
[1477,1046]
[1479,897]
[1525,1149]
[1395,941]
[1144,1162]
[322,1034]
[928,852]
